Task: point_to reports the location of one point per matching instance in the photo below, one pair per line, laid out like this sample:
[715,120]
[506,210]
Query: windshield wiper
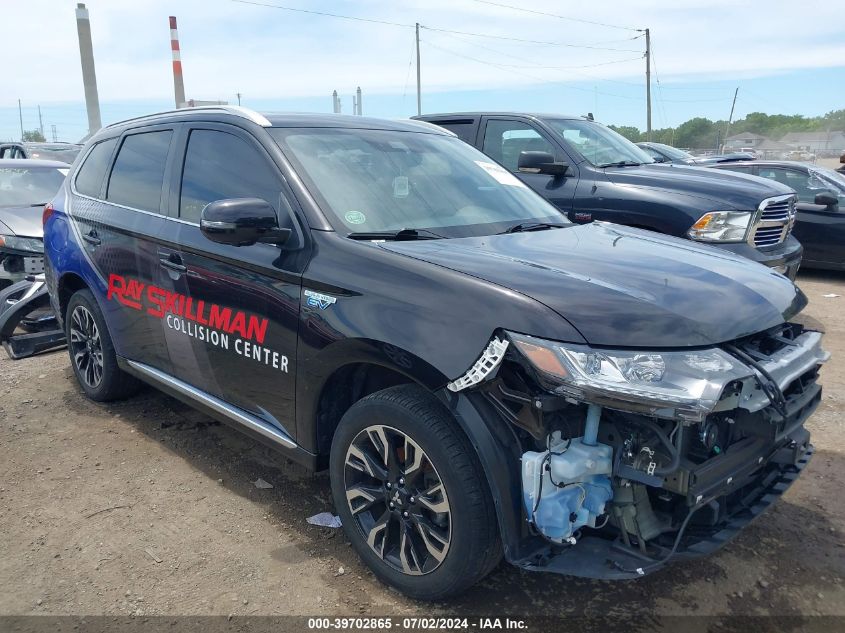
[522,227]
[621,163]
[398,236]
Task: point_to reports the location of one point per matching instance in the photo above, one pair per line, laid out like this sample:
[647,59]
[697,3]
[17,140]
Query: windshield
[599,145]
[672,152]
[379,180]
[25,186]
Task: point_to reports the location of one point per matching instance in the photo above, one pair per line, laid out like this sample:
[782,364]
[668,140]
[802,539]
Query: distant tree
[696,133]
[34,136]
[628,131]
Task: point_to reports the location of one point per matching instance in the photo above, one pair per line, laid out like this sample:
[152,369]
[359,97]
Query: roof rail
[240,111]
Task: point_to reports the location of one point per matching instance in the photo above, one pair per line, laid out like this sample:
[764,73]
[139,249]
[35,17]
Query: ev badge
[319,300]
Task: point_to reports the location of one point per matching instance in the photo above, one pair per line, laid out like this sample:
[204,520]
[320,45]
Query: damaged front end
[630,458]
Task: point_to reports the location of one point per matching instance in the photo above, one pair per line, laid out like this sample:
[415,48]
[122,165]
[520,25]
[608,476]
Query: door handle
[175,265]
[92,238]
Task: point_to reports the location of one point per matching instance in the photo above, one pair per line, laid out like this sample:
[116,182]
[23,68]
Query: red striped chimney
[178,83]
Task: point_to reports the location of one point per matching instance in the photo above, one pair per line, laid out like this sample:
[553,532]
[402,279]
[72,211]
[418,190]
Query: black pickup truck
[592,173]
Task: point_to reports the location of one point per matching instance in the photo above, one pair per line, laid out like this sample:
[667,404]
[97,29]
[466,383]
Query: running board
[217,405]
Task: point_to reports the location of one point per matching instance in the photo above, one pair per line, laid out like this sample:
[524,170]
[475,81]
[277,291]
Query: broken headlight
[670,384]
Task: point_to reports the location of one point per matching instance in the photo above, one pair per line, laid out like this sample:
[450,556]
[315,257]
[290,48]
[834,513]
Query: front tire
[91,350]
[411,494]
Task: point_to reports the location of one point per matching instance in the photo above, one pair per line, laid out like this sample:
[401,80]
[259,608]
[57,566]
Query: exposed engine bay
[637,482]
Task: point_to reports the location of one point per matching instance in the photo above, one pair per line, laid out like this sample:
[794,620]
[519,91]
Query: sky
[785,57]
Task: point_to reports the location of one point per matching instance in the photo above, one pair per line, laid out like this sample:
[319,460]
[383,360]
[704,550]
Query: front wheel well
[345,387]
[68,285]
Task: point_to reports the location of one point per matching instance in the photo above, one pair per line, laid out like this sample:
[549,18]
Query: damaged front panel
[634,482]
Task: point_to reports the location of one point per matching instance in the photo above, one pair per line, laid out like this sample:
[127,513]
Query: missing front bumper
[609,559]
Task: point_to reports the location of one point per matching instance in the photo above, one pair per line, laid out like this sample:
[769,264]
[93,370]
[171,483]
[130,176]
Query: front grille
[767,236]
[773,222]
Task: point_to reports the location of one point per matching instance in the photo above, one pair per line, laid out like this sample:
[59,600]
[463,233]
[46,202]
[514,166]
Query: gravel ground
[148,507]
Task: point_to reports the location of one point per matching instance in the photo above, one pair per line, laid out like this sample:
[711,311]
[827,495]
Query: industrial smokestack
[335,103]
[178,83]
[89,76]
[358,102]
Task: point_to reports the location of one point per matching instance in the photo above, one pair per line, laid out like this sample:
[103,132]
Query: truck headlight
[26,244]
[670,384]
[721,226]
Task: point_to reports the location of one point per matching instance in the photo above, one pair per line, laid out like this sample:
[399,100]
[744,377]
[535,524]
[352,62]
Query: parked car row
[415,312]
[662,153]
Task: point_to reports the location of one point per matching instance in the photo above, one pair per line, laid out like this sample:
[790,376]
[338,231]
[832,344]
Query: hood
[22,221]
[623,287]
[723,189]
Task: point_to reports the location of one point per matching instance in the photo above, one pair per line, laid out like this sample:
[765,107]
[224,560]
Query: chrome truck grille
[773,221]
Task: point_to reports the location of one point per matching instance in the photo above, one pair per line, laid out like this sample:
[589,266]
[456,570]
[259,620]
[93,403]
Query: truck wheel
[411,494]
[92,352]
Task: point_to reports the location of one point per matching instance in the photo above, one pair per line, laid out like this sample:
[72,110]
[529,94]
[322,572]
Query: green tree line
[701,132]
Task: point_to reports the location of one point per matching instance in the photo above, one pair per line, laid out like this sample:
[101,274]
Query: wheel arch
[68,284]
[343,373]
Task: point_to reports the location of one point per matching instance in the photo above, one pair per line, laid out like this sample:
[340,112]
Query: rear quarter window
[89,178]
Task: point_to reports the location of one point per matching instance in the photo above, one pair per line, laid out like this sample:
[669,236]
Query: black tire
[113,383]
[473,548]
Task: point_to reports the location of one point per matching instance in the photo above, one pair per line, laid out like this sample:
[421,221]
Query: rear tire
[91,351]
[423,518]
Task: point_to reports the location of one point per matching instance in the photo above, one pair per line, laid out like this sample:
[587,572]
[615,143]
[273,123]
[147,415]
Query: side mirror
[533,162]
[659,159]
[826,199]
[242,222]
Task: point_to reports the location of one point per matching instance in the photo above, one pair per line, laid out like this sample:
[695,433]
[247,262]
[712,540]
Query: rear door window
[89,178]
[219,165]
[505,140]
[138,174]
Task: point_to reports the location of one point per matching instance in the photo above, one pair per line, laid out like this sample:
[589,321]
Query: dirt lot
[147,507]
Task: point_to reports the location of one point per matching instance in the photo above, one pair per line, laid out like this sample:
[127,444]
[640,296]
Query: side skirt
[221,410]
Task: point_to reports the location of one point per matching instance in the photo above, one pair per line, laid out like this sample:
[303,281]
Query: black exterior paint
[425,310]
[660,197]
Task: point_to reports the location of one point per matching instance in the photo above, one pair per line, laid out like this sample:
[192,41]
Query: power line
[534,77]
[555,15]
[530,63]
[324,13]
[429,28]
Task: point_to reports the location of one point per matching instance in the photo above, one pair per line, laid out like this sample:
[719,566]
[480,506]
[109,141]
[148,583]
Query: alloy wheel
[86,346]
[398,500]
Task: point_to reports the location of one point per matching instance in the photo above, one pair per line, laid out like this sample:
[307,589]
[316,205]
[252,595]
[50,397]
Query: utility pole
[419,95]
[20,115]
[731,117]
[41,122]
[648,83]
[239,98]
[55,136]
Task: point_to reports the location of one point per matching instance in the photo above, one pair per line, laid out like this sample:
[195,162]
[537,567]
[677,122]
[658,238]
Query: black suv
[592,173]
[479,376]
